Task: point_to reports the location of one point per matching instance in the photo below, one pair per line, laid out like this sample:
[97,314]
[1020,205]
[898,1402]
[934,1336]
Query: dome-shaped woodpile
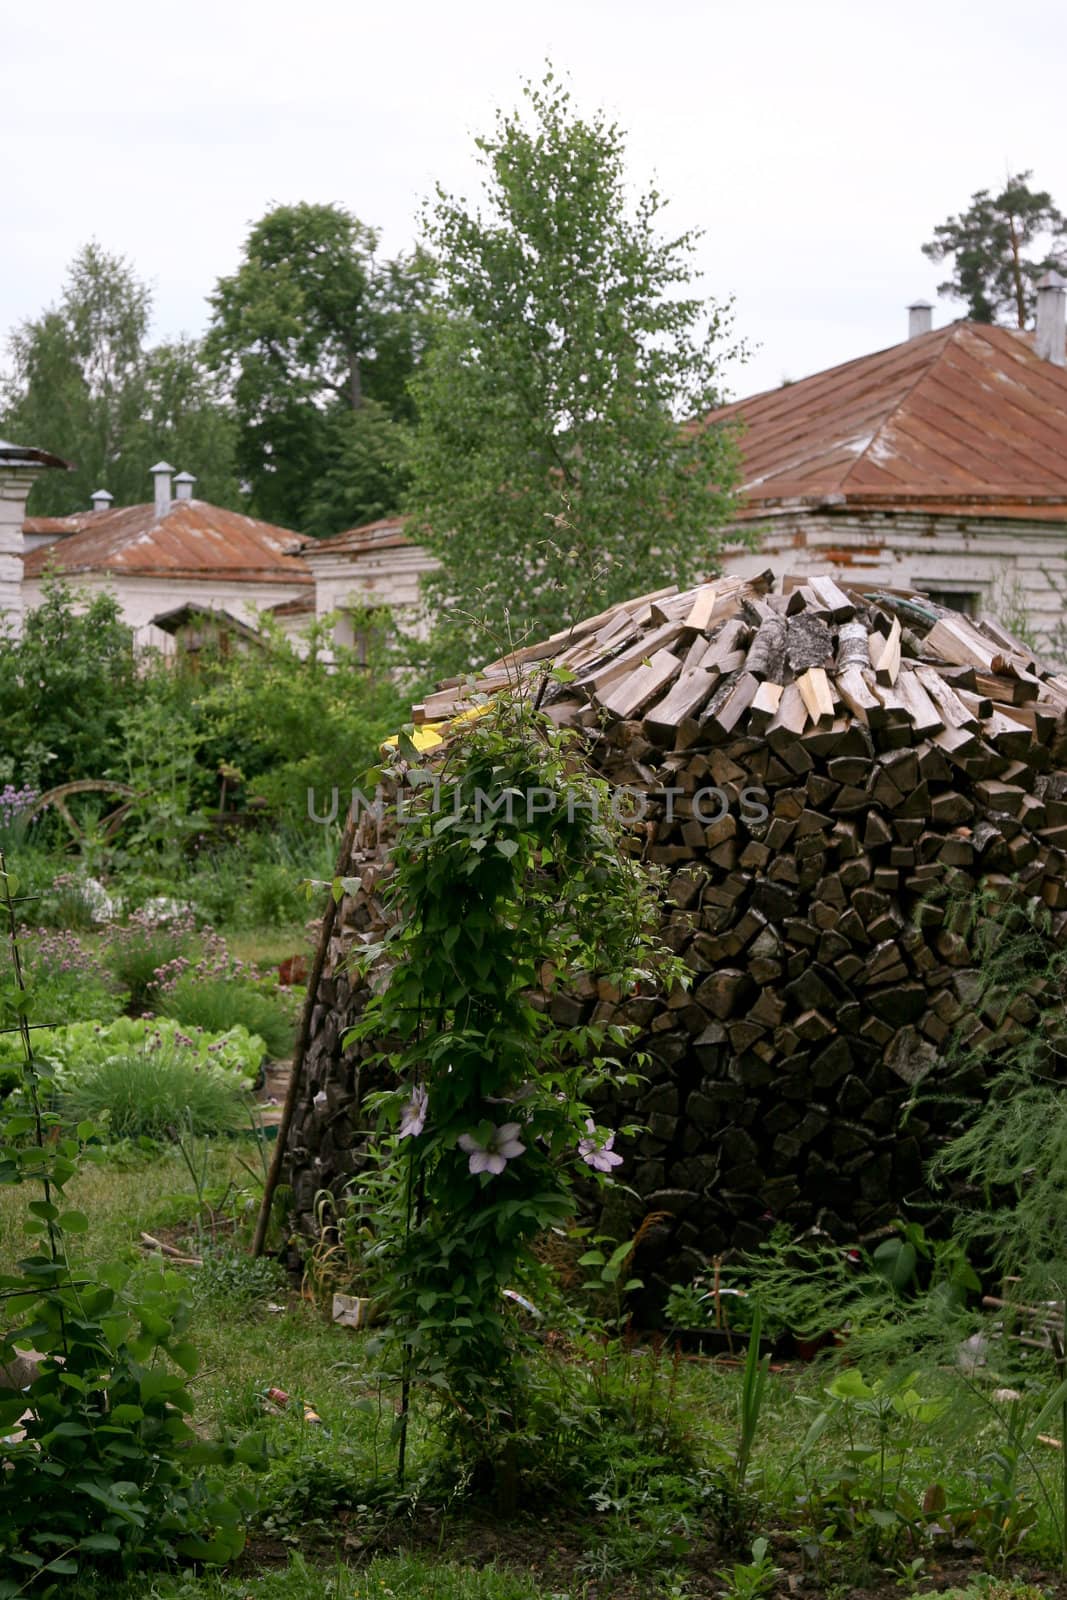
[896,756]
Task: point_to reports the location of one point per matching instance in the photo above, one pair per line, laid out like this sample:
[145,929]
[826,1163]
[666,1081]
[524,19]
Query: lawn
[633,1495]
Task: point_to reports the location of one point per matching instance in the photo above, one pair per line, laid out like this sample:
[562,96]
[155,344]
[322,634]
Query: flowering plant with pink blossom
[67,977]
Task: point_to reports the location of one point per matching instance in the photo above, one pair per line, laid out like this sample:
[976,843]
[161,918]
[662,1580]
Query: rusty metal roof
[384,534]
[964,419]
[193,540]
[28,455]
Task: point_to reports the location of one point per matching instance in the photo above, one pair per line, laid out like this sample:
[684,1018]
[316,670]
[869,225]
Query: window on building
[369,629]
[967,601]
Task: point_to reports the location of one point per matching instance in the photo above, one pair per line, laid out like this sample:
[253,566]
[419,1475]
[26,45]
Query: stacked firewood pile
[826,776]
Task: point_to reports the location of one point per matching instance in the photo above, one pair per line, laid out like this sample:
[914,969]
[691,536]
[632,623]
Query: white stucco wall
[346,582]
[1015,567]
[15,485]
[141,599]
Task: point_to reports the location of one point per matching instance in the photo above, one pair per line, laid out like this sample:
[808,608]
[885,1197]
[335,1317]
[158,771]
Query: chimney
[1050,334]
[920,318]
[183,484]
[161,478]
[101,499]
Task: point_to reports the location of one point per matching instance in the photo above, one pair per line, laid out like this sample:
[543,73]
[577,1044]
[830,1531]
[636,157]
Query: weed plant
[235,1284]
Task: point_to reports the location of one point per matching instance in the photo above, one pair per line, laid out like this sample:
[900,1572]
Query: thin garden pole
[302,1043]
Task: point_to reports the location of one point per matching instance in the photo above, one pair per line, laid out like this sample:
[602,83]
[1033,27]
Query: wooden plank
[1040,717]
[924,715]
[724,716]
[683,700]
[632,693]
[1008,642]
[852,647]
[832,599]
[789,720]
[713,602]
[730,638]
[764,707]
[854,688]
[953,711]
[957,743]
[1008,735]
[956,641]
[817,696]
[887,665]
[766,654]
[660,638]
[695,654]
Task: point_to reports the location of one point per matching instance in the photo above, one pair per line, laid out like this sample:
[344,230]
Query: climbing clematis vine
[502,1146]
[596,1150]
[413,1117]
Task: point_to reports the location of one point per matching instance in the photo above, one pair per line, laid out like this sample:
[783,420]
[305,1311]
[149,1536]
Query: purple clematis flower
[502,1146]
[596,1150]
[413,1117]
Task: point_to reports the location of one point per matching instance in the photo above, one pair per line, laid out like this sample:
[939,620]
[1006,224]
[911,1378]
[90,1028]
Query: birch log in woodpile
[901,751]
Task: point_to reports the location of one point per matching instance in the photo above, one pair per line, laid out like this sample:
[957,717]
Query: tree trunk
[1016,272]
[355,381]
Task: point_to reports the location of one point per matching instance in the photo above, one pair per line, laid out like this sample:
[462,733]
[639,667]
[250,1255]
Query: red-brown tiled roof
[193,540]
[966,417]
[302,606]
[380,535]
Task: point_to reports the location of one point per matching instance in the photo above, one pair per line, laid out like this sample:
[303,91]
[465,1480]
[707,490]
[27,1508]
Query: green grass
[269,947]
[629,1507]
[407,1577]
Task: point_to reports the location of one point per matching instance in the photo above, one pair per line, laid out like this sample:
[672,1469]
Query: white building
[938,465]
[368,571]
[172,552]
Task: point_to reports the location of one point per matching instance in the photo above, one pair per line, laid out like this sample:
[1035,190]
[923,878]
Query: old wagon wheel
[58,799]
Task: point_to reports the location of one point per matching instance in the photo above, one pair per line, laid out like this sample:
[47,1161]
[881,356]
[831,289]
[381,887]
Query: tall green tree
[186,420]
[999,247]
[317,338]
[551,474]
[84,382]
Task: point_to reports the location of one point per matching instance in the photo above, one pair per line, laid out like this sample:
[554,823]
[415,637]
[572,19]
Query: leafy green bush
[65,682]
[275,898]
[149,1094]
[219,1004]
[105,1471]
[259,881]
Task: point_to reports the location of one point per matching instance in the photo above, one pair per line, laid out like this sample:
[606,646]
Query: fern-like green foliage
[1005,1169]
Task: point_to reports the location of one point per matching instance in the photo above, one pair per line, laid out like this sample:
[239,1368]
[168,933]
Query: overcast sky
[816,143]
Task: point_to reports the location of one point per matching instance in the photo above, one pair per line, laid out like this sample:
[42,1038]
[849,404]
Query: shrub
[152,1093]
[65,681]
[275,897]
[218,1004]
